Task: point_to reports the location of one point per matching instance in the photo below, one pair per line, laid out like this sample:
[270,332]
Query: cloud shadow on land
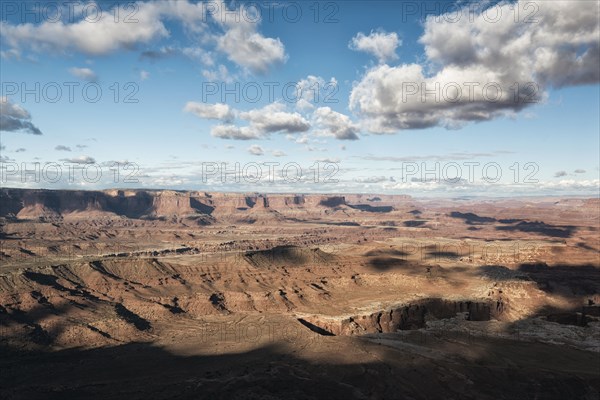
[520,225]
[566,280]
[341,368]
[541,228]
[142,370]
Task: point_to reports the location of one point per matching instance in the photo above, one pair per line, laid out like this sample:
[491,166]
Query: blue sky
[364,58]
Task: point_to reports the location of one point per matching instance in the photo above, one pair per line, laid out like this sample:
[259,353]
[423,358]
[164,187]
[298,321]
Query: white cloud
[61,147]
[332,123]
[278,153]
[85,74]
[80,160]
[256,150]
[244,45]
[262,122]
[14,118]
[13,110]
[11,54]
[303,139]
[314,89]
[304,105]
[204,56]
[104,35]
[273,118]
[219,74]
[252,50]
[217,111]
[144,75]
[560,174]
[482,69]
[234,132]
[239,40]
[380,44]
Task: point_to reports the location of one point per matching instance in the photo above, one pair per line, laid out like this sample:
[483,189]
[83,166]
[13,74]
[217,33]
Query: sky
[433,98]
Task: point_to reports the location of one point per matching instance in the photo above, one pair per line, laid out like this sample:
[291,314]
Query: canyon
[188,294]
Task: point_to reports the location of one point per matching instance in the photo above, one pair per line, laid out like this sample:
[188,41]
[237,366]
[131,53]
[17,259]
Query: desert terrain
[143,294]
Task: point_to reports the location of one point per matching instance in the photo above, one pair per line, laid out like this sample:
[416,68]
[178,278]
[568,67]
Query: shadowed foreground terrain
[160,294]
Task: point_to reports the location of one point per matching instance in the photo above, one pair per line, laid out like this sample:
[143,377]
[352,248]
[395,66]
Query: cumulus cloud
[579,171]
[239,40]
[315,89]
[278,153]
[197,53]
[85,36]
[251,49]
[256,150]
[14,118]
[217,111]
[20,150]
[103,35]
[482,69]
[85,74]
[273,118]
[244,45]
[302,139]
[221,73]
[234,132]
[60,147]
[80,160]
[332,123]
[380,44]
[560,174]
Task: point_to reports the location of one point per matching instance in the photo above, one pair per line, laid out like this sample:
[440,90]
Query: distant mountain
[161,204]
